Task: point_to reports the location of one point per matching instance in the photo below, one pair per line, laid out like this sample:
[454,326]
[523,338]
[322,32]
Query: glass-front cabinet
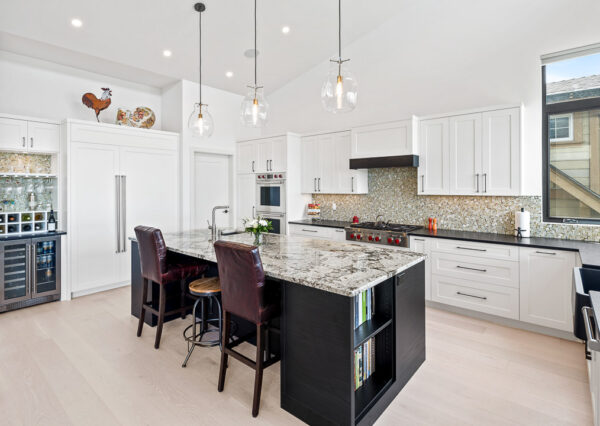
[29,272]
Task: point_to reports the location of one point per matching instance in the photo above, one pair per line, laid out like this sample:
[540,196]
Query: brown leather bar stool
[205,290]
[164,268]
[245,293]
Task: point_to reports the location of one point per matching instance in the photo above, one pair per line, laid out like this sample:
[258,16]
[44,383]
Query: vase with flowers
[257,227]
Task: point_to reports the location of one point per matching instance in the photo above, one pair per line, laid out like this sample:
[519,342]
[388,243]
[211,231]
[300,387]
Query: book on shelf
[364,307]
[364,362]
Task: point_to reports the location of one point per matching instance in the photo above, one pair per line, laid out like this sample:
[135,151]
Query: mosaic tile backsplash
[15,192]
[25,163]
[393,194]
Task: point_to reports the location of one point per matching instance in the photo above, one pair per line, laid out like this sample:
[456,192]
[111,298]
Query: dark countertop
[27,236]
[589,251]
[322,222]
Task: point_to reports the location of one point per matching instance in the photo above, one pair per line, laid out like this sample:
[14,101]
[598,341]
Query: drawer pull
[471,269]
[308,230]
[546,252]
[339,230]
[471,295]
[419,239]
[470,248]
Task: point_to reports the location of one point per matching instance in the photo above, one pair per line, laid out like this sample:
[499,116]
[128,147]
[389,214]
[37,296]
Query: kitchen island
[319,283]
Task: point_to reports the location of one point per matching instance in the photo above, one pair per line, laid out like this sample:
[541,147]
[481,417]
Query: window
[560,127]
[571,139]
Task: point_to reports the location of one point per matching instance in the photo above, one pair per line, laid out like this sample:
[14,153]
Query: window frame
[567,107]
[569,138]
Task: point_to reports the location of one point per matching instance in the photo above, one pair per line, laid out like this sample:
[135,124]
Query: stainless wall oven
[270,193]
[278,220]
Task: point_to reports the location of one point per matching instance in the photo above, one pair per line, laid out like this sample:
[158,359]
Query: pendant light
[200,122]
[255,108]
[340,90]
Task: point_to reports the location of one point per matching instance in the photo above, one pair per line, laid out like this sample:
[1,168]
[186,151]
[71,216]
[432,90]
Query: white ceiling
[127,38]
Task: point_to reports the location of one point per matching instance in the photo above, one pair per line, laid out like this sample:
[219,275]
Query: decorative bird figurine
[91,101]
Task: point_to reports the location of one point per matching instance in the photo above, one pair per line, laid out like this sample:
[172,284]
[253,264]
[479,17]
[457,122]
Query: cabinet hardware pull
[422,183]
[352,183]
[319,181]
[546,252]
[485,182]
[470,248]
[399,277]
[315,184]
[252,165]
[470,295]
[31,145]
[118,212]
[253,212]
[271,164]
[477,181]
[308,230]
[124,212]
[471,269]
[592,342]
[339,230]
[419,239]
[24,142]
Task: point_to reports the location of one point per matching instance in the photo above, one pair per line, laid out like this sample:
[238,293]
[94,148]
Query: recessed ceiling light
[76,22]
[285,29]
[167,53]
[229,74]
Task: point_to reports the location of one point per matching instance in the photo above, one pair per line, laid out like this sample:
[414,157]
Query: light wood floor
[80,363]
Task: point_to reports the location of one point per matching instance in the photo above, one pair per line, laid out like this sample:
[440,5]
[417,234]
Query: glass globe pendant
[201,122]
[255,109]
[340,91]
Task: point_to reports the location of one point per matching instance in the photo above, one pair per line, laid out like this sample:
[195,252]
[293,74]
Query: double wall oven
[271,201]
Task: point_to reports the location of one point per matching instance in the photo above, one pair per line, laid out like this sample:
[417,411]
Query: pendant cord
[340,29]
[255,51]
[200,58]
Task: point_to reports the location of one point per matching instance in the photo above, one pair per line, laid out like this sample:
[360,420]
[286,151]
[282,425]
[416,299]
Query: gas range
[389,234]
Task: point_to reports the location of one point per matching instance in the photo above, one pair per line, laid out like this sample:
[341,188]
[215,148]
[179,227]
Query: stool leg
[203,317]
[143,310]
[182,299]
[161,315]
[260,349]
[220,322]
[224,356]
[193,344]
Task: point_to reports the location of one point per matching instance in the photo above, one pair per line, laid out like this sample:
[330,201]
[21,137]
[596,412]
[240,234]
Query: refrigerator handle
[124,213]
[118,211]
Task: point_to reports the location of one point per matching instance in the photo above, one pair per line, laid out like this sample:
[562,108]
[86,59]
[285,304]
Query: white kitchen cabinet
[501,158]
[247,157]
[545,287]
[278,155]
[434,157]
[326,166]
[246,198]
[423,245]
[465,154]
[130,178]
[385,139]
[319,232]
[29,136]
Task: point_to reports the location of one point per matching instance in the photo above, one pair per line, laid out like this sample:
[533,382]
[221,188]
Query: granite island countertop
[343,268]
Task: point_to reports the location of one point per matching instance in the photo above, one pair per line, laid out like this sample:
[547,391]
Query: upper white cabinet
[471,154]
[262,155]
[385,140]
[29,136]
[325,166]
[546,285]
[434,157]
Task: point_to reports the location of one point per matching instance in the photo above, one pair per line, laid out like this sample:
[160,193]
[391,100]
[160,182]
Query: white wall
[36,88]
[442,56]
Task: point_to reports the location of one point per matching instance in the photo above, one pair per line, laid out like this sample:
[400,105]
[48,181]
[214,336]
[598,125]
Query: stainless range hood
[383,162]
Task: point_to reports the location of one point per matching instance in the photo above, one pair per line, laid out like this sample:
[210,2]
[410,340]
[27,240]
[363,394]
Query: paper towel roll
[523,221]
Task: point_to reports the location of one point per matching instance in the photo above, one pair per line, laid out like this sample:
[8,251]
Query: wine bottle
[51,227]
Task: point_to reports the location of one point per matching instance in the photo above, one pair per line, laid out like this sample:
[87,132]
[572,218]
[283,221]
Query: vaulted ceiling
[127,38]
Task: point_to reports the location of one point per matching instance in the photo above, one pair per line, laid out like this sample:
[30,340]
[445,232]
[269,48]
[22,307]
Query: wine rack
[30,222]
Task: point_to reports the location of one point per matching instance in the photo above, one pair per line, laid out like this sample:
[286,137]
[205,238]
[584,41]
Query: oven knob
[390,240]
[358,236]
[351,235]
[377,238]
[397,241]
[370,238]
[280,176]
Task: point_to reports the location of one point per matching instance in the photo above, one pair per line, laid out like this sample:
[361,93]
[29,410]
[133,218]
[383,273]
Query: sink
[584,280]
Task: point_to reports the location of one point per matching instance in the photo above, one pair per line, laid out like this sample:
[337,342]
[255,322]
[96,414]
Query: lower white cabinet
[423,245]
[546,285]
[320,232]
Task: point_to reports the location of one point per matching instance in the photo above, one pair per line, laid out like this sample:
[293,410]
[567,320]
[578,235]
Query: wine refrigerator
[29,272]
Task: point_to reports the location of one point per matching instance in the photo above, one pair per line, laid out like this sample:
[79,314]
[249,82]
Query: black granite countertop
[10,237]
[322,222]
[589,251]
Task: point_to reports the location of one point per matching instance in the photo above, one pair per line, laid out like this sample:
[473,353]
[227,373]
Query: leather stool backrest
[242,279]
[153,252]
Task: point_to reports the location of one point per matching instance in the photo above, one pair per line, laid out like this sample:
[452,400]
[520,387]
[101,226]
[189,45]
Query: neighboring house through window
[560,127]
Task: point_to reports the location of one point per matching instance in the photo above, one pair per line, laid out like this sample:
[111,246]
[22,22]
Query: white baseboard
[86,292]
[504,321]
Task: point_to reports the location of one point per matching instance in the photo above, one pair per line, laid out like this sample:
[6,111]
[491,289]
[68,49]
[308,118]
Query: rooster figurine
[91,101]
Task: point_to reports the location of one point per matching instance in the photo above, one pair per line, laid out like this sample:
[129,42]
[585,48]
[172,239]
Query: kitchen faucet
[213,226]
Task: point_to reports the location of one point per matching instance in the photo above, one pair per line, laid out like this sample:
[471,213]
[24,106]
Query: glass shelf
[28,175]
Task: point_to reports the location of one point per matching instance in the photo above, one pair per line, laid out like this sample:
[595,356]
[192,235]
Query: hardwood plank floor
[80,363]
